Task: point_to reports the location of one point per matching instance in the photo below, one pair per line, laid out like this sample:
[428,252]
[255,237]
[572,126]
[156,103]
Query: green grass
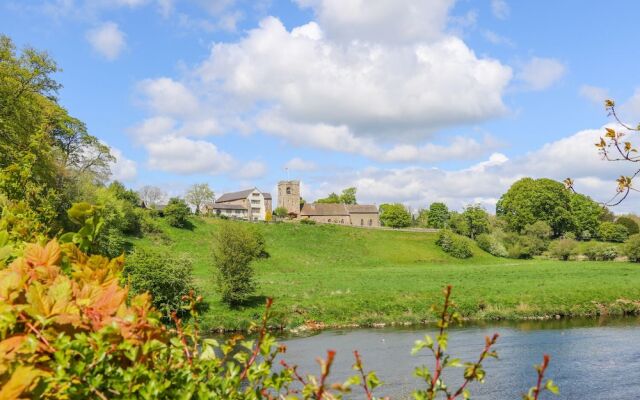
[340,276]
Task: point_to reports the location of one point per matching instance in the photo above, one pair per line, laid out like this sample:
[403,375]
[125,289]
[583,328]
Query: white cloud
[341,139]
[574,156]
[298,164]
[496,39]
[541,73]
[107,40]
[185,156]
[594,94]
[630,109]
[371,89]
[168,97]
[381,21]
[500,9]
[123,169]
[251,170]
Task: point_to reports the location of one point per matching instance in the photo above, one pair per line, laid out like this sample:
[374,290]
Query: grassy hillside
[339,276]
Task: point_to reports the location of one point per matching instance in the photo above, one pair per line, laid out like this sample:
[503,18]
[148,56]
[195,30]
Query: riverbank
[331,277]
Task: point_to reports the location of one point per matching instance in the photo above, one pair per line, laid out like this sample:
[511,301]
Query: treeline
[533,217]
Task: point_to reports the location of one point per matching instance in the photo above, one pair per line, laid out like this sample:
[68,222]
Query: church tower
[289,196]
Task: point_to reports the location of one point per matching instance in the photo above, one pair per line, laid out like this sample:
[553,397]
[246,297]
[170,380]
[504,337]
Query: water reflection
[595,359]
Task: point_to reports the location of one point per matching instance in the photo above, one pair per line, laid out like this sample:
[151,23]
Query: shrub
[586,236]
[237,246]
[630,224]
[456,246]
[600,252]
[395,215]
[631,248]
[308,221]
[280,212]
[523,246]
[177,213]
[111,243]
[492,245]
[167,278]
[612,232]
[563,249]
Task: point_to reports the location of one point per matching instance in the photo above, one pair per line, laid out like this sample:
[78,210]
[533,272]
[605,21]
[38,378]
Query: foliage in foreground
[67,331]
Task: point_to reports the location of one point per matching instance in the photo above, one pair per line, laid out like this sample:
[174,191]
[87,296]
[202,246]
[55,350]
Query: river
[590,359]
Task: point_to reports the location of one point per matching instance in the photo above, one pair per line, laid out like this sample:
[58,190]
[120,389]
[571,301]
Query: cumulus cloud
[340,138]
[107,40]
[168,97]
[298,164]
[574,156]
[541,73]
[594,94]
[500,9]
[186,156]
[372,89]
[122,169]
[396,21]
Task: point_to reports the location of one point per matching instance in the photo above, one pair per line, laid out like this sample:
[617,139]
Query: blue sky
[409,101]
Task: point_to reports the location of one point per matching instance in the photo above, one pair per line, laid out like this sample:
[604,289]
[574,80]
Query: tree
[529,200]
[348,196]
[46,155]
[151,195]
[177,213]
[236,247]
[280,212]
[477,220]
[563,249]
[438,215]
[199,195]
[630,224]
[586,215]
[122,193]
[612,232]
[631,248]
[394,215]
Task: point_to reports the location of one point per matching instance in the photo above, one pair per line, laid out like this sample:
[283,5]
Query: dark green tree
[394,215]
[438,215]
[477,220]
[177,213]
[586,216]
[630,224]
[530,200]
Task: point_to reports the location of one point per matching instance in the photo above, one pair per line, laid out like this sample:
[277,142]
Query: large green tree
[477,220]
[395,215]
[348,196]
[199,195]
[586,215]
[530,200]
[438,215]
[46,155]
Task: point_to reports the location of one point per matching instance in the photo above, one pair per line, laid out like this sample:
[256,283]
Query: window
[255,210]
[255,201]
[288,190]
[329,220]
[370,222]
[238,211]
[361,222]
[255,194]
[342,221]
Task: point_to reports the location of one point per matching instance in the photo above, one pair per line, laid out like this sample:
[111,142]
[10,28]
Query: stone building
[250,204]
[342,214]
[289,196]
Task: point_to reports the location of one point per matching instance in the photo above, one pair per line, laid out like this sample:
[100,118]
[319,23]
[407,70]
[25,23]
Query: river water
[590,359]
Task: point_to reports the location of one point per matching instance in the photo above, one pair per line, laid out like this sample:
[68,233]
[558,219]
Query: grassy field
[338,276]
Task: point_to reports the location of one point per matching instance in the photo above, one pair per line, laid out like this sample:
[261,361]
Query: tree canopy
[395,215]
[199,195]
[348,196]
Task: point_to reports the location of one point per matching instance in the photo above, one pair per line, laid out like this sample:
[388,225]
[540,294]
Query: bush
[237,246]
[167,278]
[280,212]
[308,221]
[523,246]
[612,232]
[456,246]
[492,245]
[563,249]
[630,224]
[177,213]
[631,248]
[395,215]
[600,252]
[111,243]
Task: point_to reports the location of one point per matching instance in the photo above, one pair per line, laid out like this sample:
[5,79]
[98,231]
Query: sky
[409,101]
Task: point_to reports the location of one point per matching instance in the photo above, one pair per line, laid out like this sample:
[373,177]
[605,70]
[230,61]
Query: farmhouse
[250,204]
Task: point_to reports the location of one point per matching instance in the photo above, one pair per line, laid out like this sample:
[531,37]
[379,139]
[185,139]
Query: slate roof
[219,206]
[243,194]
[362,209]
[320,209]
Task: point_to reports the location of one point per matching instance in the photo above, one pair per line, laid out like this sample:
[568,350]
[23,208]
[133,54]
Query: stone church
[342,214]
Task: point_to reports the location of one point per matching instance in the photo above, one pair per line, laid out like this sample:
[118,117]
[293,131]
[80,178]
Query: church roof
[323,209]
